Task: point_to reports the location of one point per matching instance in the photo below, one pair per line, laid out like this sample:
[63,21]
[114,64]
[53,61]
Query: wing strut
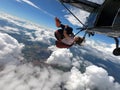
[84,26]
[74,15]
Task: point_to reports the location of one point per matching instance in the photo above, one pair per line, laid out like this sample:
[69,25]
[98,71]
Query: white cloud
[13,20]
[27,77]
[61,57]
[30,3]
[94,78]
[10,49]
[41,34]
[18,21]
[9,29]
[102,50]
[93,49]
[97,1]
[80,14]
[44,35]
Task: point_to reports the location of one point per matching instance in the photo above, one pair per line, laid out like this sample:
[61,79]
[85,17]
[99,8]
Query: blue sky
[41,12]
[36,14]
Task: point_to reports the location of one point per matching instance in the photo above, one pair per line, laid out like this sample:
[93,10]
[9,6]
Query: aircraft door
[107,13]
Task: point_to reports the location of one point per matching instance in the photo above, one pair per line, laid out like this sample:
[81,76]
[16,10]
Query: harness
[59,36]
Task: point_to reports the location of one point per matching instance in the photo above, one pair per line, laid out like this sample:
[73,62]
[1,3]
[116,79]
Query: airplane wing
[82,4]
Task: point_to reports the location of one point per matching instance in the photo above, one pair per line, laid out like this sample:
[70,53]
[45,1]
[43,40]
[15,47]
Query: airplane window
[97,1]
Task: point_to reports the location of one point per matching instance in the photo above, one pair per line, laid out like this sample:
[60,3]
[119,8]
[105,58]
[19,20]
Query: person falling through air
[65,37]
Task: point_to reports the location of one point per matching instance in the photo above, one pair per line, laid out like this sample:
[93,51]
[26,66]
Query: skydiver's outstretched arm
[57,22]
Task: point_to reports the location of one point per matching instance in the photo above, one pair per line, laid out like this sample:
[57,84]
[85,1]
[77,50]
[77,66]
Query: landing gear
[116,51]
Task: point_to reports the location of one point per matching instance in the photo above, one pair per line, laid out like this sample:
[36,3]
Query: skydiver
[65,37]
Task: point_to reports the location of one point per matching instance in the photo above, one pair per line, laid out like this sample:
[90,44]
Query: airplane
[103,19]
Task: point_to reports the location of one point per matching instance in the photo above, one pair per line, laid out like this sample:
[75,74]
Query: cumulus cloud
[10,49]
[61,57]
[28,77]
[94,78]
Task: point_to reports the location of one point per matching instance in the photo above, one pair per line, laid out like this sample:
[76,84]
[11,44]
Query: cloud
[10,49]
[103,47]
[44,35]
[29,2]
[94,78]
[38,33]
[80,14]
[13,21]
[9,29]
[35,6]
[92,52]
[61,57]
[27,77]
[34,31]
[97,1]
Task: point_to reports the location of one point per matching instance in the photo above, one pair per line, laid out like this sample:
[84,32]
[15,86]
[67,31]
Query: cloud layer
[95,78]
[27,77]
[33,31]
[44,77]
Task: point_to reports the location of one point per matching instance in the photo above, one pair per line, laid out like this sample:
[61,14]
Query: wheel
[116,52]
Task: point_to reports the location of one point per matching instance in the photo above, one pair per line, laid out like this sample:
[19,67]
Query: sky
[38,11]
[43,12]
